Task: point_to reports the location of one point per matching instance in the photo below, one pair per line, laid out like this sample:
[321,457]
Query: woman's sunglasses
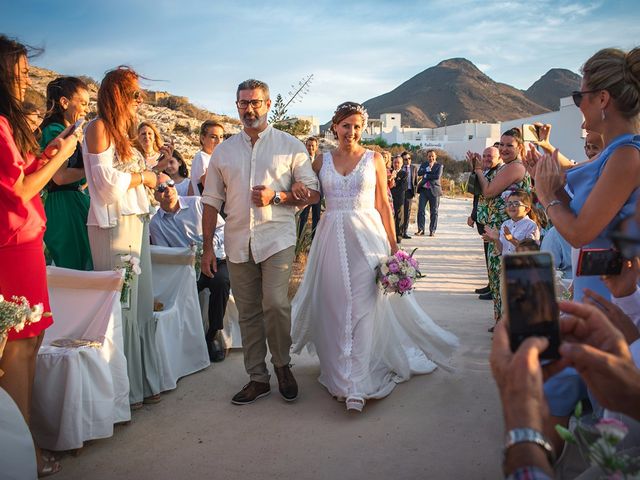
[578,96]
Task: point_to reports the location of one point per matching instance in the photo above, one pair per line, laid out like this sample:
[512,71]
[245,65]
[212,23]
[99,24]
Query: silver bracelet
[528,435]
[552,203]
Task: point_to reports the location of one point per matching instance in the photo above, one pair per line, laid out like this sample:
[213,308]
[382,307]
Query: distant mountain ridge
[456,86]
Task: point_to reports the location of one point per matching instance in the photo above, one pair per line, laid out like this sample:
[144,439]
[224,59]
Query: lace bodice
[355,191]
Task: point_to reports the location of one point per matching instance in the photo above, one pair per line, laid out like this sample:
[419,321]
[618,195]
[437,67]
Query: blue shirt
[183,227]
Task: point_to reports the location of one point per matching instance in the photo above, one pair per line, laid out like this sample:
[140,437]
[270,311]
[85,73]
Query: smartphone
[75,127]
[530,133]
[529,297]
[599,261]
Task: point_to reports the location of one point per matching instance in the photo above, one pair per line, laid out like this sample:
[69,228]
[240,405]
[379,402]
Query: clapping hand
[549,177]
[531,159]
[474,160]
[490,234]
[507,234]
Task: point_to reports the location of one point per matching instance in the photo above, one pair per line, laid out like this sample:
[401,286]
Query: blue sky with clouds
[356,49]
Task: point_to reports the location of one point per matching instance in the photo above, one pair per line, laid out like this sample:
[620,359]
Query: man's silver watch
[277,199]
[528,435]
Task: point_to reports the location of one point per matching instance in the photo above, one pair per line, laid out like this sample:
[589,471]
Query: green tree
[297,128]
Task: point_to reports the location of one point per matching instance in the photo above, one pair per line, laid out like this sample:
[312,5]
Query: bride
[366,341]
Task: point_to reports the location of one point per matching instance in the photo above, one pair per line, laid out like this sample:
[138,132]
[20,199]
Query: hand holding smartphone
[530,132]
[528,292]
[75,127]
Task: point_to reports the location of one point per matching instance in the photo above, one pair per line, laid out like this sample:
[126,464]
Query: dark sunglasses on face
[578,96]
[163,186]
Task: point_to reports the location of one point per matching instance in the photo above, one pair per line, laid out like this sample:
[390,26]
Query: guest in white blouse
[118,219]
[211,135]
[179,173]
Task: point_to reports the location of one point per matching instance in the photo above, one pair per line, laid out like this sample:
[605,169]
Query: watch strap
[528,435]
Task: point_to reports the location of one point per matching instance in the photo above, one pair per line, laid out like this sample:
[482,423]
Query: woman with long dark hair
[118,219]
[24,171]
[67,203]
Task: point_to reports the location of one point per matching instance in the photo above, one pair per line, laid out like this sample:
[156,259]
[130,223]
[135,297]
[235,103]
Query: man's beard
[254,121]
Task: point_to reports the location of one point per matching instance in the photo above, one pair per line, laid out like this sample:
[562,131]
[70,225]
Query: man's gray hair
[253,84]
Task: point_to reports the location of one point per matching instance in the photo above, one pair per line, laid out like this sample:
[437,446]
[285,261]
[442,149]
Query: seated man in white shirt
[178,223]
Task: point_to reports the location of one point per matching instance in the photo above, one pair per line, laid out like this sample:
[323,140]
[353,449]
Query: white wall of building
[566,132]
[315,124]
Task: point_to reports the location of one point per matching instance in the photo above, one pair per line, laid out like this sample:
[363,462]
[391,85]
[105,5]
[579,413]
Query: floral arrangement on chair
[131,266]
[597,444]
[398,273]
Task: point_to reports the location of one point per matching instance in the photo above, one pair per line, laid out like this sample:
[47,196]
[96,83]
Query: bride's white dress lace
[366,341]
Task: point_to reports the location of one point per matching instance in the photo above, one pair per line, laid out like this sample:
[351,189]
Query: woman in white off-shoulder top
[118,218]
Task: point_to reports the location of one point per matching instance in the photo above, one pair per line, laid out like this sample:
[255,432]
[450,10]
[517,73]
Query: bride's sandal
[49,468]
[355,404]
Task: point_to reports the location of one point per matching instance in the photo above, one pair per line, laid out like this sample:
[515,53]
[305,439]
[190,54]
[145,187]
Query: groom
[253,173]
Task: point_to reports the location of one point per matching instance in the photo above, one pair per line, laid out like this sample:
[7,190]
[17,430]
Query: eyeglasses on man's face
[578,96]
[255,103]
[164,185]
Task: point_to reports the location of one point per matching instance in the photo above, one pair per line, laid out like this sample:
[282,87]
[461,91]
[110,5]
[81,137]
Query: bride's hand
[300,191]
[394,248]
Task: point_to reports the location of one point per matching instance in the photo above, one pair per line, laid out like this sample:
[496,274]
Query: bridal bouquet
[398,273]
[17,313]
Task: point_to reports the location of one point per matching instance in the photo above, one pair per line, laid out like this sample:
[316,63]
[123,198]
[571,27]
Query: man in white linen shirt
[262,175]
[178,223]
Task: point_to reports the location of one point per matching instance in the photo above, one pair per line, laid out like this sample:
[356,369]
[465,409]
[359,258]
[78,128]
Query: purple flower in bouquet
[401,255]
[404,285]
[413,262]
[394,267]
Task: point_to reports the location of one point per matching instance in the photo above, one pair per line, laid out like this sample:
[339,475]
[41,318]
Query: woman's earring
[603,117]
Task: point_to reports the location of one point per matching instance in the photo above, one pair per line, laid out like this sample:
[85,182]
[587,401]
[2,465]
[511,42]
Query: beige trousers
[131,235]
[260,292]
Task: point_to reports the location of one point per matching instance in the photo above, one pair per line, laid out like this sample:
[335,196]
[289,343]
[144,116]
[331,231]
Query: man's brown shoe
[251,392]
[286,383]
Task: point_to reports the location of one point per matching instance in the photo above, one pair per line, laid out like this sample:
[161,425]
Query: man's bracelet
[552,203]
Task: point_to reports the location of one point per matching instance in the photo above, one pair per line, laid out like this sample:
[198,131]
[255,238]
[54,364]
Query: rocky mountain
[553,85]
[175,116]
[456,86]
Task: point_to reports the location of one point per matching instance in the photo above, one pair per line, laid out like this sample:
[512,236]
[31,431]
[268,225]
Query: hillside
[455,86]
[175,116]
[553,85]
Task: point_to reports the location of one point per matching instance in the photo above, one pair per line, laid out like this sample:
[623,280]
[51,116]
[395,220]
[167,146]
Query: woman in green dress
[496,186]
[67,201]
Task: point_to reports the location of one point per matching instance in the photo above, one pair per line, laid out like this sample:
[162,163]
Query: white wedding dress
[366,341]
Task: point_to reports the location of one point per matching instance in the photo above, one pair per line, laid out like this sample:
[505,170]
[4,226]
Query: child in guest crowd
[520,226]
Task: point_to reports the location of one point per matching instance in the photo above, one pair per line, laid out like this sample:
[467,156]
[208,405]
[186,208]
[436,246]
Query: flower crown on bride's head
[347,109]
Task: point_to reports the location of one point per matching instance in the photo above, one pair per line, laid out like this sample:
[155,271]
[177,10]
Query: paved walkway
[438,426]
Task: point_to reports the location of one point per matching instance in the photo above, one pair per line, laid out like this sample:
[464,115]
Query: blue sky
[355,49]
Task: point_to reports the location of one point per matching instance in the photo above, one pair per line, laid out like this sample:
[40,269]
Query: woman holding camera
[117,177]
[600,193]
[496,186]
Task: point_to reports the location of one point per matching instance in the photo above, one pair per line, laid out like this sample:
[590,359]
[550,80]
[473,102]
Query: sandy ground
[438,426]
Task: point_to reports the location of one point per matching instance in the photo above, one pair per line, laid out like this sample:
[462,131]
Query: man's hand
[598,351]
[208,262]
[262,196]
[470,222]
[615,315]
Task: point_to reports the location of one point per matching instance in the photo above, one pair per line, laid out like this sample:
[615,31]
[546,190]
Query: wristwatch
[277,200]
[528,435]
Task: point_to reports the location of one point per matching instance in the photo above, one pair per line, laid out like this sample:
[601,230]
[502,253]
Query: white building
[475,135]
[315,124]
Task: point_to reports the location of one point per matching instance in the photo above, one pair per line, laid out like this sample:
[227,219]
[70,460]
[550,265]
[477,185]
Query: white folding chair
[81,392]
[180,338]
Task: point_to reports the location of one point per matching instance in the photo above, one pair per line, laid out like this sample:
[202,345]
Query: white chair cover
[79,393]
[179,335]
[231,327]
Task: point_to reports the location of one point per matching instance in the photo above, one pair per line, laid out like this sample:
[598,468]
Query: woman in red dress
[23,173]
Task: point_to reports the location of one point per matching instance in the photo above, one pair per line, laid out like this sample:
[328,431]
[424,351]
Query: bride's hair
[346,109]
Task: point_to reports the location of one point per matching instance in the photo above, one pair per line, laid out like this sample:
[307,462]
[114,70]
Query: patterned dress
[492,213]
